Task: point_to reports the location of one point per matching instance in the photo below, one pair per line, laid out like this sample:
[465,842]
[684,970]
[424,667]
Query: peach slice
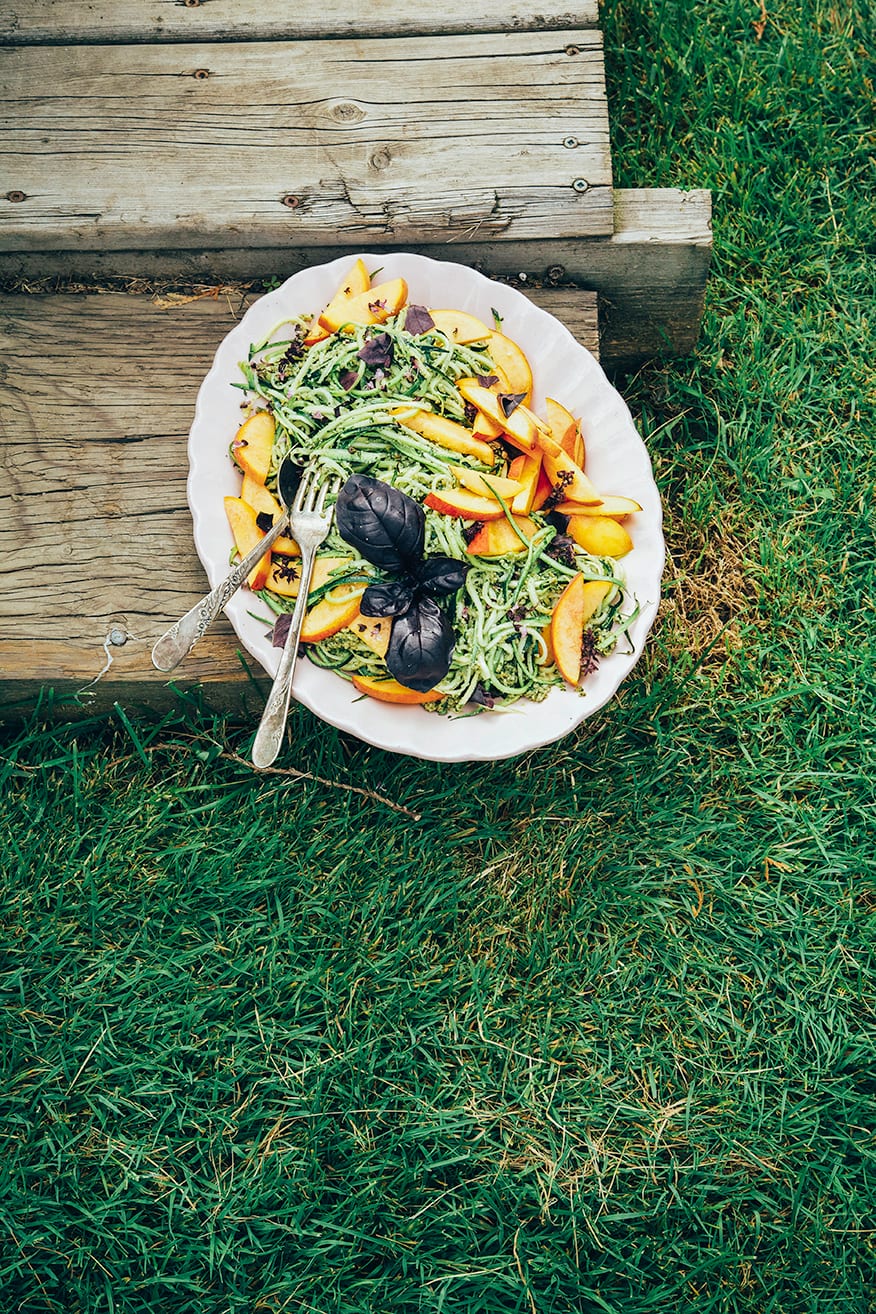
[247,535]
[564,429]
[460,327]
[497,538]
[567,630]
[263,502]
[600,535]
[328,617]
[511,363]
[543,490]
[445,433]
[371,307]
[561,469]
[483,427]
[465,504]
[485,485]
[357,281]
[373,631]
[518,426]
[254,445]
[616,507]
[322,569]
[525,469]
[390,691]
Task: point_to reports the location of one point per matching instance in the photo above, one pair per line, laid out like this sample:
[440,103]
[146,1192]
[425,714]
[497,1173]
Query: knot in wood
[16,196]
[381,159]
[346,112]
[201,74]
[573,50]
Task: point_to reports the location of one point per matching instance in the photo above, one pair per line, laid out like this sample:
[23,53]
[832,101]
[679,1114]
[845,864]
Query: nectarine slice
[511,361]
[327,617]
[247,534]
[445,433]
[357,281]
[564,428]
[263,502]
[526,470]
[390,691]
[254,445]
[498,538]
[371,307]
[567,630]
[518,426]
[562,470]
[616,507]
[373,631]
[463,503]
[460,327]
[600,535]
[485,484]
[279,581]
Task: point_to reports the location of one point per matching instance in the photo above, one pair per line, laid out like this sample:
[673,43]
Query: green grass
[587,1031]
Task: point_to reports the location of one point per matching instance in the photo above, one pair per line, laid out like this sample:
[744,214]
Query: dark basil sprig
[420,646]
[388,529]
[385,526]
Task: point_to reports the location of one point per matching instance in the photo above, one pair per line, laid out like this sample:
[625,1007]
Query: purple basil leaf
[418,320]
[509,401]
[487,380]
[348,379]
[377,351]
[265,521]
[440,576]
[482,697]
[420,646]
[281,630]
[385,526]
[391,598]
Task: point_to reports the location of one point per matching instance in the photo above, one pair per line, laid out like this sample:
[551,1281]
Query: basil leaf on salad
[385,526]
[420,646]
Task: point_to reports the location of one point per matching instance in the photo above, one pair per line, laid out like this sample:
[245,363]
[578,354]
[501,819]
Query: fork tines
[314,490]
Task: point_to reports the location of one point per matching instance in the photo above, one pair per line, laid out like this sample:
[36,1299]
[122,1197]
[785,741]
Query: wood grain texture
[650,274]
[305,143]
[71,22]
[97,394]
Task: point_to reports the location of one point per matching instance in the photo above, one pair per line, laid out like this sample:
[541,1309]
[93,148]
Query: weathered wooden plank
[651,273]
[70,22]
[307,143]
[97,394]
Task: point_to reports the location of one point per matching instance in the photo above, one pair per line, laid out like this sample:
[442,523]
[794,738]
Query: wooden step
[77,22]
[494,137]
[97,394]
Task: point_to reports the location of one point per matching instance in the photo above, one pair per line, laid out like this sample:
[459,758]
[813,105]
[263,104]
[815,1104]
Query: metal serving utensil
[182,636]
[310,523]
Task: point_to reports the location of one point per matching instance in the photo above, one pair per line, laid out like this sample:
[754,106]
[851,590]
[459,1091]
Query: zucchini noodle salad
[499,573]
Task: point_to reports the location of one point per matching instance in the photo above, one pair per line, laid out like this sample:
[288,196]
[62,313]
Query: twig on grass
[321,780]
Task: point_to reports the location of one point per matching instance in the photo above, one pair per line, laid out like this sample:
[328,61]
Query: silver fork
[309,523]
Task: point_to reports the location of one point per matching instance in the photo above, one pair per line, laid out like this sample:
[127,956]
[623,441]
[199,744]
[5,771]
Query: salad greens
[333,403]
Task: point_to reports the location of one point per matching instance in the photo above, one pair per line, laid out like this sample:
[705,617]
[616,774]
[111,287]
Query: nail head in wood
[291,202]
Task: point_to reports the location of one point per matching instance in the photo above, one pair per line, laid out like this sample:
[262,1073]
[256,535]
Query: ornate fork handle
[272,726]
[182,636]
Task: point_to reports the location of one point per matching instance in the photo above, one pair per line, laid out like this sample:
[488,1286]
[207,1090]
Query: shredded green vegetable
[334,410]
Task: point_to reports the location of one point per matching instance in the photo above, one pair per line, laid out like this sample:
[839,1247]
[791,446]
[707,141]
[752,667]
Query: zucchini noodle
[336,412]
